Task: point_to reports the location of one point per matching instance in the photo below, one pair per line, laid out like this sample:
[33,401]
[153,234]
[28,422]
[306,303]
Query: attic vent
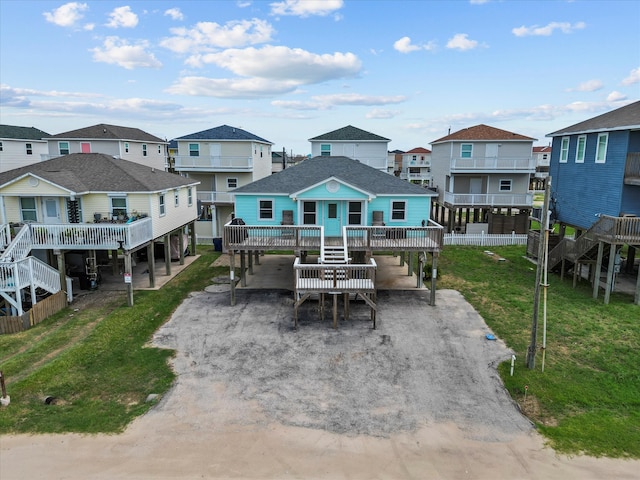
[33,182]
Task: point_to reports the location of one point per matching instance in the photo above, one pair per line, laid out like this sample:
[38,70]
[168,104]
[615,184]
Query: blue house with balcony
[595,188]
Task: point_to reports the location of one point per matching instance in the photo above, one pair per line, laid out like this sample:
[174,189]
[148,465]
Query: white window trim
[196,150]
[315,212]
[190,196]
[235,180]
[360,213]
[126,147]
[22,210]
[322,151]
[266,219]
[144,150]
[584,148]
[505,180]
[563,150]
[606,147]
[404,211]
[162,204]
[159,149]
[60,149]
[471,151]
[176,198]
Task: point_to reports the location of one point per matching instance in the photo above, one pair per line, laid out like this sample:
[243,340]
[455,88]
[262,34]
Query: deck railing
[5,236]
[429,238]
[285,237]
[489,199]
[28,271]
[19,248]
[618,229]
[476,164]
[213,162]
[326,278]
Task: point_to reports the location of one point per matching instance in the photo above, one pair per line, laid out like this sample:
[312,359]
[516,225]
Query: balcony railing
[379,163]
[632,169]
[213,163]
[378,238]
[415,176]
[215,197]
[493,164]
[489,199]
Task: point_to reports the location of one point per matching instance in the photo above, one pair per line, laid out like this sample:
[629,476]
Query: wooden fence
[39,312]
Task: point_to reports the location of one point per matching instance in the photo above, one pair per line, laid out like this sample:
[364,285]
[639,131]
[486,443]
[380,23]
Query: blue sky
[289,70]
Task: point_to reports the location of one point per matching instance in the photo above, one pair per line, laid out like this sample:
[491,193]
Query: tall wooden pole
[531,351]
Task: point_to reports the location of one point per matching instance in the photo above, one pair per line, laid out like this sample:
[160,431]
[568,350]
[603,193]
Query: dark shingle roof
[21,133]
[317,169]
[481,132]
[623,118]
[350,133]
[98,172]
[224,132]
[109,132]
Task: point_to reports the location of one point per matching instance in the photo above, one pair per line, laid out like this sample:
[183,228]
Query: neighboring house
[542,157]
[416,166]
[479,172]
[20,146]
[394,160]
[131,144]
[84,202]
[351,142]
[221,159]
[595,188]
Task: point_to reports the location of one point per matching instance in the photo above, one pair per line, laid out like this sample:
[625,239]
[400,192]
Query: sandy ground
[417,398]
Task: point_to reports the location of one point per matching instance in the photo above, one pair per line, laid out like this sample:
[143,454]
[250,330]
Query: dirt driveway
[417,398]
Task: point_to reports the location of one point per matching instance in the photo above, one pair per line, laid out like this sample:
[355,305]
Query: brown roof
[419,150]
[545,149]
[481,132]
[109,132]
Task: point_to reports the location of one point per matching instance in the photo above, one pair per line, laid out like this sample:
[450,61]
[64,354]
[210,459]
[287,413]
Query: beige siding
[174,216]
[24,188]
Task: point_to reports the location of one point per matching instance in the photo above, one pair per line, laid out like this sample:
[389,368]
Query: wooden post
[167,254]
[402,259]
[335,310]
[434,276]
[419,283]
[181,246]
[637,296]
[409,263]
[612,260]
[192,235]
[128,277]
[576,272]
[345,301]
[257,257]
[232,275]
[250,258]
[62,270]
[151,263]
[596,275]
[243,265]
[114,262]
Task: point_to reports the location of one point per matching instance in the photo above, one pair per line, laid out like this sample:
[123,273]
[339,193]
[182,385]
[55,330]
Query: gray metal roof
[350,134]
[98,172]
[623,118]
[103,131]
[224,132]
[318,169]
[21,133]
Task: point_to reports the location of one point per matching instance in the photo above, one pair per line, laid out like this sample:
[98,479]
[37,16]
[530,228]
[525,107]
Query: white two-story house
[20,146]
[221,159]
[416,166]
[126,143]
[352,142]
[482,177]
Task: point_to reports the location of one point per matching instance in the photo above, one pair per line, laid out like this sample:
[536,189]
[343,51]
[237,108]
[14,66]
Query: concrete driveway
[417,398]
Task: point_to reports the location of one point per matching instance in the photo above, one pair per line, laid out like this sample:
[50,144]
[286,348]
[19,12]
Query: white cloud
[243,4]
[404,45]
[326,102]
[174,13]
[230,88]
[284,63]
[67,15]
[381,114]
[122,17]
[536,30]
[119,52]
[206,36]
[460,42]
[634,77]
[588,86]
[306,8]
[616,97]
[478,2]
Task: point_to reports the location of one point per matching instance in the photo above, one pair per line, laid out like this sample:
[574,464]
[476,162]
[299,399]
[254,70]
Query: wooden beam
[243,266]
[598,270]
[434,276]
[232,275]
[151,263]
[612,260]
[128,277]
[637,296]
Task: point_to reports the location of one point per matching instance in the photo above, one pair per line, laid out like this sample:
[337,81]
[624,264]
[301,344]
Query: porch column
[192,235]
[232,274]
[636,299]
[128,279]
[167,254]
[243,266]
[250,258]
[434,276]
[409,264]
[596,274]
[151,263]
[612,260]
[62,269]
[181,246]
[419,283]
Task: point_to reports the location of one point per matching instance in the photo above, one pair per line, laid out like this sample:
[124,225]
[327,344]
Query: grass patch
[588,398]
[96,363]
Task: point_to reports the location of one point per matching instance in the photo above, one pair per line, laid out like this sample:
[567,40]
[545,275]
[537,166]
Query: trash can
[217,244]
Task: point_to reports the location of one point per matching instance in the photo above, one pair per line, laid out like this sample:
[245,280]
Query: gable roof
[103,131]
[350,134]
[224,133]
[481,132]
[546,149]
[98,172]
[317,169]
[623,118]
[21,133]
[419,150]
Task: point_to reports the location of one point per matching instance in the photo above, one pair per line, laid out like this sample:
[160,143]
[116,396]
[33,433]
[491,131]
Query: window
[1,147]
[126,147]
[333,210]
[398,210]
[580,147]
[63,148]
[564,150]
[260,151]
[29,148]
[505,185]
[144,149]
[601,151]
[325,150]
[194,149]
[118,206]
[309,213]
[176,198]
[232,182]
[189,196]
[159,149]
[28,209]
[466,150]
[355,213]
[163,210]
[265,209]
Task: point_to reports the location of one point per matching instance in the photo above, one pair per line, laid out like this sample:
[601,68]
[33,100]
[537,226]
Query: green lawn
[100,367]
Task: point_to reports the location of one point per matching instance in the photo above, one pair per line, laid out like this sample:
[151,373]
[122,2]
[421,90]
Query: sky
[290,70]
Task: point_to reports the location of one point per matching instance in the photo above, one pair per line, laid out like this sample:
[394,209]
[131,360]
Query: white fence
[485,240]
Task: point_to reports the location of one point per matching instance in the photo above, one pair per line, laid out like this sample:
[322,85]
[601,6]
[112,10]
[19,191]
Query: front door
[475,185]
[51,210]
[332,218]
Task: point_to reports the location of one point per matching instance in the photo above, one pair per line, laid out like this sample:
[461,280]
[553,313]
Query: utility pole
[531,351]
